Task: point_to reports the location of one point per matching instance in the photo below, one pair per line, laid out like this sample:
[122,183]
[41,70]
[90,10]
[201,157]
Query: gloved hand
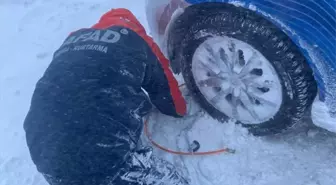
[161,85]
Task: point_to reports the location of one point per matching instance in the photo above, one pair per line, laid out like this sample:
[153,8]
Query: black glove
[161,85]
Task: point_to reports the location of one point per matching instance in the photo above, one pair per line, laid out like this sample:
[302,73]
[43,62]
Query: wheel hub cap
[237,80]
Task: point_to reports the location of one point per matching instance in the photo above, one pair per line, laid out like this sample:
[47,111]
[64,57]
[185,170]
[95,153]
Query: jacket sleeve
[161,85]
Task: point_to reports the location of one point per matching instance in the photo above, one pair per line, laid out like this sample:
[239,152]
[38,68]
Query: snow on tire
[239,65]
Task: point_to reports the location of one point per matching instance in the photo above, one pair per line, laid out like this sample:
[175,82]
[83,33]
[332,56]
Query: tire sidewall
[273,44]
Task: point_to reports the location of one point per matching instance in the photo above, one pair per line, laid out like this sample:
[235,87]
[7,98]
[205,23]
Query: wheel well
[180,27]
[208,20]
[184,23]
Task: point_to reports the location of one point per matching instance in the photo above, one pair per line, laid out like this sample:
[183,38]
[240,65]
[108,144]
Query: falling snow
[34,29]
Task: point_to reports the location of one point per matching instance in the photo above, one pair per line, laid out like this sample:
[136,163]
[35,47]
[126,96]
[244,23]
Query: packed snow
[33,29]
[321,116]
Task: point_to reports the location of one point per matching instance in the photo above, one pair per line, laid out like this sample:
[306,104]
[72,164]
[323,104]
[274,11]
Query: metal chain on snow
[191,152]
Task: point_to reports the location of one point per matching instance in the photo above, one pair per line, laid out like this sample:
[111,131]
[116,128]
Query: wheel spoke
[262,100]
[257,91]
[212,62]
[256,87]
[210,82]
[224,75]
[250,79]
[249,105]
[253,75]
[216,57]
[250,64]
[209,49]
[210,66]
[234,57]
[255,84]
[223,56]
[235,107]
[220,95]
[236,92]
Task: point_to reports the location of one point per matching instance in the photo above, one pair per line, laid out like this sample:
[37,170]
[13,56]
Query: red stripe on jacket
[125,18]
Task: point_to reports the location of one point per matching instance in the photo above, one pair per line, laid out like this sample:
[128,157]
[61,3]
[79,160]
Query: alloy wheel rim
[237,79]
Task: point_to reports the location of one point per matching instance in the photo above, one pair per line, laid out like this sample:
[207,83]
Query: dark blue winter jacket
[86,111]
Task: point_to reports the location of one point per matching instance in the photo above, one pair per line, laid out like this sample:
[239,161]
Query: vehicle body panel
[311,24]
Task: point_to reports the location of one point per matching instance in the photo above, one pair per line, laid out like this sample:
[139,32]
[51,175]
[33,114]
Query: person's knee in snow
[85,117]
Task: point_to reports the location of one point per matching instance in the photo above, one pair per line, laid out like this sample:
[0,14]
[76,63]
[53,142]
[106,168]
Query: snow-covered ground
[305,156]
[32,29]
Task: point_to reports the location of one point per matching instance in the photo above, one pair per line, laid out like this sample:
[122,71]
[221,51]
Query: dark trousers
[141,168]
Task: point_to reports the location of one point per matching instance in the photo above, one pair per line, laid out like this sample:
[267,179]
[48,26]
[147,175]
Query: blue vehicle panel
[311,24]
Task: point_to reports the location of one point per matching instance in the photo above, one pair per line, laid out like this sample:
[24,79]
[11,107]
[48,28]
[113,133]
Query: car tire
[204,21]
